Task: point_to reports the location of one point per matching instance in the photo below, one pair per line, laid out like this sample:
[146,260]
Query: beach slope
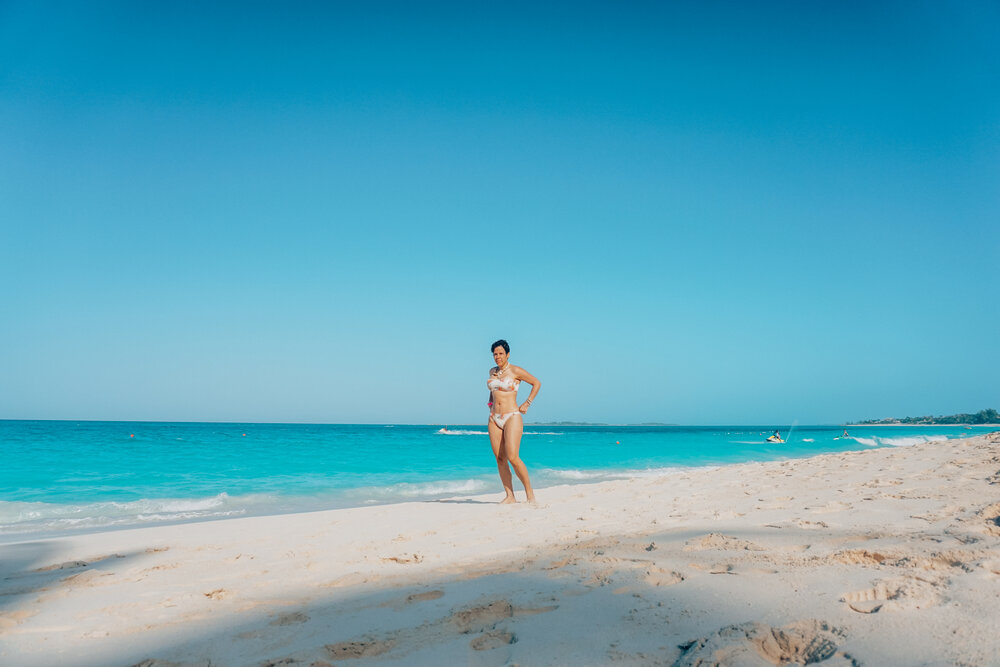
[880,557]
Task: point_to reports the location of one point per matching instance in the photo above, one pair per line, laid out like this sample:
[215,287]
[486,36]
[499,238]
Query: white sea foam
[575,474]
[437,488]
[20,518]
[900,442]
[407,491]
[602,475]
[188,505]
[912,440]
[29,517]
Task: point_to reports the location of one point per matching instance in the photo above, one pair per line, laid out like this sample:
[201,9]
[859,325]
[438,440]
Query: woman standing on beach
[505,423]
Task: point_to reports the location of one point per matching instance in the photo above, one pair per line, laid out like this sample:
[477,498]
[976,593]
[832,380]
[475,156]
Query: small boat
[774,438]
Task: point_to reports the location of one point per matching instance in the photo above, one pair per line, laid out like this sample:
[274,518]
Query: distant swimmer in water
[506,425]
[776,437]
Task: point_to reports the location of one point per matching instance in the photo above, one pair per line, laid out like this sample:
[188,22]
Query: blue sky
[696,213]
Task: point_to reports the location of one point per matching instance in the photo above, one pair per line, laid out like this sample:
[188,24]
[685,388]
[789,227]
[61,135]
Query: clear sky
[697,213]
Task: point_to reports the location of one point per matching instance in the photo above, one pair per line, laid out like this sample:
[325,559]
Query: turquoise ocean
[63,476]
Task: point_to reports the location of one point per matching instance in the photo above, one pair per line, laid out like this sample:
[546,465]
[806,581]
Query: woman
[506,424]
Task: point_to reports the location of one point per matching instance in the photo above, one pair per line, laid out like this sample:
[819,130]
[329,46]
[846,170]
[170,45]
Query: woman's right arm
[489,399]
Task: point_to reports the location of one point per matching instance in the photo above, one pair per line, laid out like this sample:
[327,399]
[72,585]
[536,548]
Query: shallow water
[62,476]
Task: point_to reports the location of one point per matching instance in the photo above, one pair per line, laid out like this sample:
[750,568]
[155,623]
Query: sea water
[59,476]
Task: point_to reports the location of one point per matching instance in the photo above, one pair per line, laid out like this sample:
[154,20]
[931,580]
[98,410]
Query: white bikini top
[503,384]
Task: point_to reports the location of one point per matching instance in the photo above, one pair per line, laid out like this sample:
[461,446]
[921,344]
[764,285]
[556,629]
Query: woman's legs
[496,442]
[512,432]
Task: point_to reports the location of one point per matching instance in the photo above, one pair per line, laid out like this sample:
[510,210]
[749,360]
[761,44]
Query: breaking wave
[29,517]
[908,441]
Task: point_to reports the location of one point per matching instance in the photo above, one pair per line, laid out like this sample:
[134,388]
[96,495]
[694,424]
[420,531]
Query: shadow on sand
[548,607]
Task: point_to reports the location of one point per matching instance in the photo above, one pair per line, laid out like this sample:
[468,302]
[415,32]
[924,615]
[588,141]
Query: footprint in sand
[68,565]
[290,619]
[482,617]
[832,506]
[366,648]
[493,639]
[880,483]
[894,594]
[423,597]
[800,643]
[289,662]
[720,541]
[714,568]
[405,559]
[862,557]
[991,515]
[485,617]
[949,559]
[657,576]
[557,564]
[531,611]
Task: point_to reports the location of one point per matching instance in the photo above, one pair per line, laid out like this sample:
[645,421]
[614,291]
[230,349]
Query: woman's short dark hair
[500,343]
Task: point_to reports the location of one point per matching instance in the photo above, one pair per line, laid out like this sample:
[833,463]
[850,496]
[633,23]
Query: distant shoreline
[924,425]
[987,417]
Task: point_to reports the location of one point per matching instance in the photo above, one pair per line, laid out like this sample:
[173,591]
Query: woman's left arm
[536,384]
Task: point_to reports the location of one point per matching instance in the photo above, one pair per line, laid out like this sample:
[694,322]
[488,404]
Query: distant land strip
[594,424]
[981,417]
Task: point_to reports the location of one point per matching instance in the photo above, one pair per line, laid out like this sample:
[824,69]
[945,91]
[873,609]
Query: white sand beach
[888,556]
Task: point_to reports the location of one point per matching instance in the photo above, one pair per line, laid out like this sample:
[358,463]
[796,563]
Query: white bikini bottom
[500,420]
